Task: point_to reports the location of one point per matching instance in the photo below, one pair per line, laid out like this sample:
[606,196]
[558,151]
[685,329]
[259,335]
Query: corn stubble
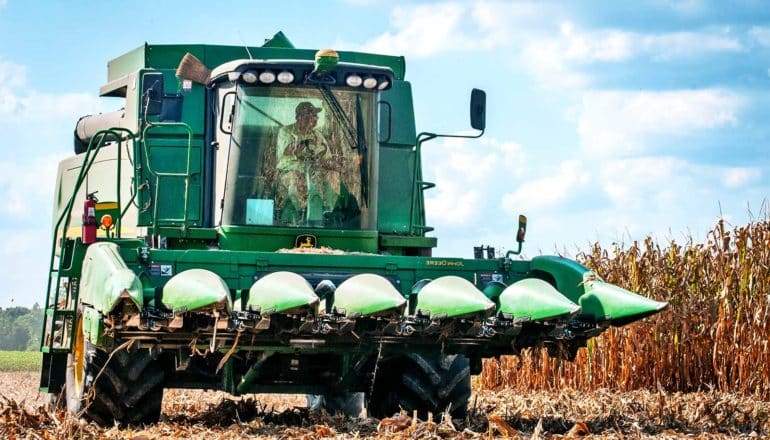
[714,335]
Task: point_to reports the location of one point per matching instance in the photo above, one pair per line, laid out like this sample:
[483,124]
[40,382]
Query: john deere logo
[305,241]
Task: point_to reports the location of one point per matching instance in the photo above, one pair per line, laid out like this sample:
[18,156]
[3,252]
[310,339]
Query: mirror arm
[512,252]
[427,136]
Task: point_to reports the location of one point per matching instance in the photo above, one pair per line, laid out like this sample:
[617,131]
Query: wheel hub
[79,356]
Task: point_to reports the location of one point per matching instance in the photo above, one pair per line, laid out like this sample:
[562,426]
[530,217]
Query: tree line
[20,328]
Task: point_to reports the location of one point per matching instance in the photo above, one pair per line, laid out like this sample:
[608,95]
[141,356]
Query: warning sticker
[161,270]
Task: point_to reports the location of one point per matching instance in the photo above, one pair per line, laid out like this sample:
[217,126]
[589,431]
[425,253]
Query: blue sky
[606,121]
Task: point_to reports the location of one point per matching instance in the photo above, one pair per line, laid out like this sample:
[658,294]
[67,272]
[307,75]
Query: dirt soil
[564,414]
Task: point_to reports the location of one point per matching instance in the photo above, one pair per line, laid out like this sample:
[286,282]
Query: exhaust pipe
[87,126]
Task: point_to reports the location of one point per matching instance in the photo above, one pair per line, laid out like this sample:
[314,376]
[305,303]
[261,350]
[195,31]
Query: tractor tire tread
[409,383]
[115,385]
[151,380]
[137,366]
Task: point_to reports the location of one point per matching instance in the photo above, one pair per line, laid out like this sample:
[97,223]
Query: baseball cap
[306,107]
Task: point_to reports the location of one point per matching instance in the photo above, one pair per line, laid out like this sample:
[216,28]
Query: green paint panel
[535,300]
[168,155]
[397,159]
[167,56]
[567,274]
[282,292]
[93,326]
[453,297]
[261,238]
[196,289]
[106,279]
[607,302]
[368,294]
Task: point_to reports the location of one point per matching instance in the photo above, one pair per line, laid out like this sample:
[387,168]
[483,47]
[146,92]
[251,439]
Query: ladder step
[60,312]
[47,349]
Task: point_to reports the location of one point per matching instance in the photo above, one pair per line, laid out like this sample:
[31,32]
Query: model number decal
[444,263]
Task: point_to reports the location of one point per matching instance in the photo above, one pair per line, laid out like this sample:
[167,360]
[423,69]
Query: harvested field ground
[599,414]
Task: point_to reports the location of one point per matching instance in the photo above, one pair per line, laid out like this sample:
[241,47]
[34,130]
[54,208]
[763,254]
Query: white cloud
[760,34]
[20,102]
[646,183]
[25,253]
[509,23]
[27,187]
[12,74]
[554,54]
[416,37]
[734,178]
[621,123]
[557,61]
[678,45]
[549,191]
[464,172]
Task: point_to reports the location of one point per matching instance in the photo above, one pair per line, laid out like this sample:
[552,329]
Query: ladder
[60,317]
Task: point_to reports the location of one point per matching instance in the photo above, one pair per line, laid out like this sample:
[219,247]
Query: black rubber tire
[129,390]
[348,404]
[422,383]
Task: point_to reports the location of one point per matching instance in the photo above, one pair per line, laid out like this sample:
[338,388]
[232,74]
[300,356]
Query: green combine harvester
[252,220]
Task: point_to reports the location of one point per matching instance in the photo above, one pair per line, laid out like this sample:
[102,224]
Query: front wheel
[426,384]
[127,389]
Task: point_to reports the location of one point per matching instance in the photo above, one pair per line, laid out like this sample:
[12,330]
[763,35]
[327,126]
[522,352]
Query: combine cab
[252,220]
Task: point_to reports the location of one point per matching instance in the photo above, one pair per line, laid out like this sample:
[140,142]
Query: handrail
[417,188]
[157,175]
[88,160]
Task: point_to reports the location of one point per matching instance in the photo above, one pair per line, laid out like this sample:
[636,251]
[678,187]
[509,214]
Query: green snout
[536,300]
[282,292]
[196,289]
[606,302]
[368,294]
[106,279]
[453,297]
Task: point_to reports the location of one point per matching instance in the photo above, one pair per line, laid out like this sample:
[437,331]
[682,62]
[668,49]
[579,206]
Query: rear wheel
[422,383]
[127,389]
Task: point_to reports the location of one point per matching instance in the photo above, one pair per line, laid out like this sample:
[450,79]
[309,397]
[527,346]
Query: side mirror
[522,232]
[152,93]
[478,109]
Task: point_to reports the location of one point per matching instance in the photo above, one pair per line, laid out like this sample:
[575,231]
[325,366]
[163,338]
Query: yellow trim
[106,205]
[76,231]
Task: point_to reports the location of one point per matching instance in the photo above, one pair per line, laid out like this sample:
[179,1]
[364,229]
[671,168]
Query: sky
[606,121]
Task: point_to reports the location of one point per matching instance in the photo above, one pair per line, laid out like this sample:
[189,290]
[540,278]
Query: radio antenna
[245,46]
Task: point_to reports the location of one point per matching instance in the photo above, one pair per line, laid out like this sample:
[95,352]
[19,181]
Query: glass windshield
[300,157]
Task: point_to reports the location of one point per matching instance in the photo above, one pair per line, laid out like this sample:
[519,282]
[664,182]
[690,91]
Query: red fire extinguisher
[89,219]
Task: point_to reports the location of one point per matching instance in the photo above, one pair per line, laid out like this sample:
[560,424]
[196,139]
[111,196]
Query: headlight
[384,84]
[370,82]
[249,76]
[354,80]
[285,77]
[267,77]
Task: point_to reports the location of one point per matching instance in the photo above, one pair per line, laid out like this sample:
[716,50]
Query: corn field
[714,335]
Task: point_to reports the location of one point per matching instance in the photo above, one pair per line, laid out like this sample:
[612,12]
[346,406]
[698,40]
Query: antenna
[245,46]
